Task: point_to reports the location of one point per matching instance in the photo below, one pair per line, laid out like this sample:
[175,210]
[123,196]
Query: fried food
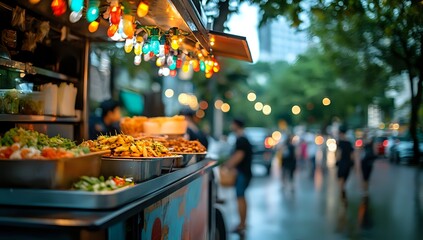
[126,146]
[181,145]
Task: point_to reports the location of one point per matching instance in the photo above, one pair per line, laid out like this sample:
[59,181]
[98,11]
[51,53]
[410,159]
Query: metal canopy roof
[232,46]
[163,14]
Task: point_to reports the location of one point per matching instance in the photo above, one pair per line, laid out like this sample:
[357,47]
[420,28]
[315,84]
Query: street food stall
[144,183]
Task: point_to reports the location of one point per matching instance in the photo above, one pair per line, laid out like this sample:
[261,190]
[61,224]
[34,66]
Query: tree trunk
[416,99]
[219,22]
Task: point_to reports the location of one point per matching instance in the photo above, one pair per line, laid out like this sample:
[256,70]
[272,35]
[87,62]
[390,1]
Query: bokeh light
[296,109]
[258,106]
[200,113]
[326,101]
[267,110]
[225,107]
[251,97]
[169,93]
[218,104]
[276,135]
[319,140]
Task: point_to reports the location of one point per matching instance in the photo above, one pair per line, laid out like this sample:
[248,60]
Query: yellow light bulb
[185,68]
[137,48]
[129,44]
[142,9]
[93,26]
[174,43]
[159,62]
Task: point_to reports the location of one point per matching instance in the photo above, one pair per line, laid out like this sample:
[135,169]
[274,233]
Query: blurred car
[381,145]
[402,150]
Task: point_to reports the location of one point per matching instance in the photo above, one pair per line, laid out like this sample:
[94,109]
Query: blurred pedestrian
[302,153]
[289,163]
[367,158]
[241,159]
[344,159]
[108,123]
[193,130]
[311,152]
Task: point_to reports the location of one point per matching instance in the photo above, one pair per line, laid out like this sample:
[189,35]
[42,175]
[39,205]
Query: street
[393,209]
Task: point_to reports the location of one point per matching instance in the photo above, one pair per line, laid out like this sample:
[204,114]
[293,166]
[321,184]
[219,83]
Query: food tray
[187,158]
[93,200]
[138,168]
[46,173]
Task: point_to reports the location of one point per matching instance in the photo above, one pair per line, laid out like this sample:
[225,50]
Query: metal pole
[85,111]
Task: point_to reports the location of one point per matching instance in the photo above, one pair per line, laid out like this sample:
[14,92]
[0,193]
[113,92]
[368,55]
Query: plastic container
[32,103]
[10,101]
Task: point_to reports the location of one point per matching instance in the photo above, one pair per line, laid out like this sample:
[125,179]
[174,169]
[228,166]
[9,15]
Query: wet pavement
[314,210]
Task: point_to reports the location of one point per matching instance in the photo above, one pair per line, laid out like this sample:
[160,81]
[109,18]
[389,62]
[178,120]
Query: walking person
[241,159]
[344,160]
[289,163]
[367,158]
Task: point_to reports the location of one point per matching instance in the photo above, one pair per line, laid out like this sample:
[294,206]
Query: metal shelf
[29,69]
[18,118]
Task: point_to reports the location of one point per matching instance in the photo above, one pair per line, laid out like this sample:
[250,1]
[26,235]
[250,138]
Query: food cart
[177,204]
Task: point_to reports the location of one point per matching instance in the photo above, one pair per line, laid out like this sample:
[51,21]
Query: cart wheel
[220,233]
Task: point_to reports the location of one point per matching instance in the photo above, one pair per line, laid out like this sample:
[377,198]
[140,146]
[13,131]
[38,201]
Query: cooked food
[166,125]
[93,184]
[133,126]
[18,143]
[126,146]
[29,138]
[181,145]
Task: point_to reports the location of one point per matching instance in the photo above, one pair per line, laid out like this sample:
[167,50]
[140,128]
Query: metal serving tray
[48,174]
[92,200]
[187,159]
[140,169]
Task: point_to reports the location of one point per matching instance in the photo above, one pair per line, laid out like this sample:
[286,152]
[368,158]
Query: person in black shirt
[241,159]
[289,163]
[344,157]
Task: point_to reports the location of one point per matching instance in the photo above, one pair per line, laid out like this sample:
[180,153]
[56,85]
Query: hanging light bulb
[93,26]
[166,71]
[160,61]
[169,60]
[34,1]
[173,73]
[209,74]
[138,48]
[160,72]
[115,14]
[129,44]
[76,5]
[93,11]
[147,57]
[142,9]
[75,16]
[216,67]
[185,67]
[155,45]
[146,48]
[202,65]
[111,31]
[128,25]
[59,7]
[137,60]
[178,63]
[116,37]
[174,43]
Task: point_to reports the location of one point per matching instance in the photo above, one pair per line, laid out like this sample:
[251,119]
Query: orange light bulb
[142,9]
[93,26]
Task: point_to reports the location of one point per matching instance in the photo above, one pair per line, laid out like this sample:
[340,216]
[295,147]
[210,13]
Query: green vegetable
[35,139]
[93,184]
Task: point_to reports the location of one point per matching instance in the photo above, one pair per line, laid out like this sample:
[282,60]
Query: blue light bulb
[146,48]
[92,13]
[155,45]
[202,65]
[76,5]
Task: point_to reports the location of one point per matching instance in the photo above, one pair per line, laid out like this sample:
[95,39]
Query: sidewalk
[394,209]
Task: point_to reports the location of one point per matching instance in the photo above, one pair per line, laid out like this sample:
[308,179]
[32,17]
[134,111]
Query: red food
[120,182]
[51,153]
[6,152]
